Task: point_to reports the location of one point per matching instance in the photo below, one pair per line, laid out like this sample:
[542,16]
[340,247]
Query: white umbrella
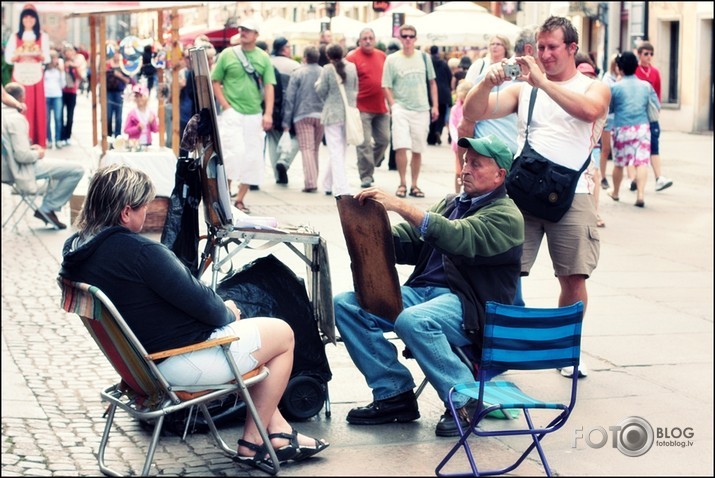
[469,7]
[462,24]
[340,26]
[383,25]
[274,27]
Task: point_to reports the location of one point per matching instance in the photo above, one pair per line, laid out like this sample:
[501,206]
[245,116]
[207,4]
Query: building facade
[680,31]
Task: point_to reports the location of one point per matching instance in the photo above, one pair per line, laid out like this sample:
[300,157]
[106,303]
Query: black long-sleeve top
[162,302]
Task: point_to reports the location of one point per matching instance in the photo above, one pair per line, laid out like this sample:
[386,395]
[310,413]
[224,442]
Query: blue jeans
[115,99]
[429,325]
[519,298]
[64,176]
[54,107]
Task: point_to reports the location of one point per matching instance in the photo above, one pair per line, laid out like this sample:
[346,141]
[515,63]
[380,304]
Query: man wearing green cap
[466,250]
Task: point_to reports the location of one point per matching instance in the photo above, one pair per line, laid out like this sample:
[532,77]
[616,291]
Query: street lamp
[330,8]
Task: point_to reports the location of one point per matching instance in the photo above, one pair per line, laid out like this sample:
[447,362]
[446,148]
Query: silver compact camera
[512,69]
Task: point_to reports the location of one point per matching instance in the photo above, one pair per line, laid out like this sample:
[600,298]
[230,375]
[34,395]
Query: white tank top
[554,133]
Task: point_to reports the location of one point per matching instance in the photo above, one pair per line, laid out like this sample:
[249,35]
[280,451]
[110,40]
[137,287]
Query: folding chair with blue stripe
[519,338]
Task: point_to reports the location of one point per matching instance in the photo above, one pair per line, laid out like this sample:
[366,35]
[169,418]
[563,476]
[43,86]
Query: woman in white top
[336,72]
[499,49]
[54,82]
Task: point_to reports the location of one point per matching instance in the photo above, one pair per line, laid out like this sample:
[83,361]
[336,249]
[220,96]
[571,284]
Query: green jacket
[481,253]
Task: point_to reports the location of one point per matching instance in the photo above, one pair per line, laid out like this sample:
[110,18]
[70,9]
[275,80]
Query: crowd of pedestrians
[400,119]
[271,107]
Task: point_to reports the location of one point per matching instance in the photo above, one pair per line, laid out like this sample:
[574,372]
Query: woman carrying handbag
[335,74]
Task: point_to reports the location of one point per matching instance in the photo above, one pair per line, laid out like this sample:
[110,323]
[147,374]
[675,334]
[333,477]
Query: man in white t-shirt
[569,113]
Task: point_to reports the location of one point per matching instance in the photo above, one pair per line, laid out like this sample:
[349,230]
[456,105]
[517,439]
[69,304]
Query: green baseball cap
[491,147]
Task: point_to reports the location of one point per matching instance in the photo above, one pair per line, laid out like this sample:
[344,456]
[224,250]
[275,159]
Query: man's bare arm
[482,104]
[388,96]
[588,107]
[434,113]
[220,98]
[268,98]
[410,213]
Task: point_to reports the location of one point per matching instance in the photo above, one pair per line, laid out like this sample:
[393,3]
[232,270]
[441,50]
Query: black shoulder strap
[532,101]
[484,63]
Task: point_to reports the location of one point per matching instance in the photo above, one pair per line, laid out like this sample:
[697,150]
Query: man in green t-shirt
[404,79]
[243,78]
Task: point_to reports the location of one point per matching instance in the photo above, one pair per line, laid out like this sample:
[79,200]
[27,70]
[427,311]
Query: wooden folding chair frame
[143,392]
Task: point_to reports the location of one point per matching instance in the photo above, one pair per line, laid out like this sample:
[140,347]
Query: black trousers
[69,101]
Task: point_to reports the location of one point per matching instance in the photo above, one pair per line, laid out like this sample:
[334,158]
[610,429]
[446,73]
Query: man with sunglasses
[569,113]
[403,79]
[646,71]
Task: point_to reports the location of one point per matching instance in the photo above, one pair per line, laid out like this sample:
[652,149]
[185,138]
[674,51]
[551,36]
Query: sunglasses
[408,36]
[647,53]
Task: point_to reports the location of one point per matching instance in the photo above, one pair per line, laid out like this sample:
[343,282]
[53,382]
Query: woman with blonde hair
[499,49]
[167,307]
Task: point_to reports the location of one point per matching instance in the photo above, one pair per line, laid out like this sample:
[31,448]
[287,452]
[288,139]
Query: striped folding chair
[143,392]
[519,338]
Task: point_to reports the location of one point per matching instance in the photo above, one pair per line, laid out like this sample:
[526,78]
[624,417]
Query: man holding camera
[569,112]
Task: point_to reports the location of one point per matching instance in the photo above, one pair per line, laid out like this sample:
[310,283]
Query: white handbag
[353,123]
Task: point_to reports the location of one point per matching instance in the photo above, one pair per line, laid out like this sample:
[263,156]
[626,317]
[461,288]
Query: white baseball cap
[249,24]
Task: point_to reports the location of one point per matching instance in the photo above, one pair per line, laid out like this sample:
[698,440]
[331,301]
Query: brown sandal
[401,191]
[241,207]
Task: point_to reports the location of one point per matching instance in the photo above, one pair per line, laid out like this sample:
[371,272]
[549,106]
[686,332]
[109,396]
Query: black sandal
[260,460]
[291,451]
[299,452]
[416,192]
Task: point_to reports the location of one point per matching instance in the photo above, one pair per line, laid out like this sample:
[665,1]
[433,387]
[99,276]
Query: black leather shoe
[282,174]
[446,427]
[401,408]
[50,217]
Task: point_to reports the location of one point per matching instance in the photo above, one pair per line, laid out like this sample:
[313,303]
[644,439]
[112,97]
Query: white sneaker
[568,371]
[662,183]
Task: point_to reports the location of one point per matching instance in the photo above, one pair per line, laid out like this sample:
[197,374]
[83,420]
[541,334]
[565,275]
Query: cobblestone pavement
[647,340]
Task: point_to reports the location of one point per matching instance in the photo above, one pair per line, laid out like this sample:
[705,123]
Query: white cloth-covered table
[158,163]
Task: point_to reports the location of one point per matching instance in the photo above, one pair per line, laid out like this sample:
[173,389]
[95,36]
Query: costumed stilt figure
[27,50]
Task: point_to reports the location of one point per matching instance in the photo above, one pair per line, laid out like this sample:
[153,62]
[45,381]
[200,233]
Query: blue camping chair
[519,338]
